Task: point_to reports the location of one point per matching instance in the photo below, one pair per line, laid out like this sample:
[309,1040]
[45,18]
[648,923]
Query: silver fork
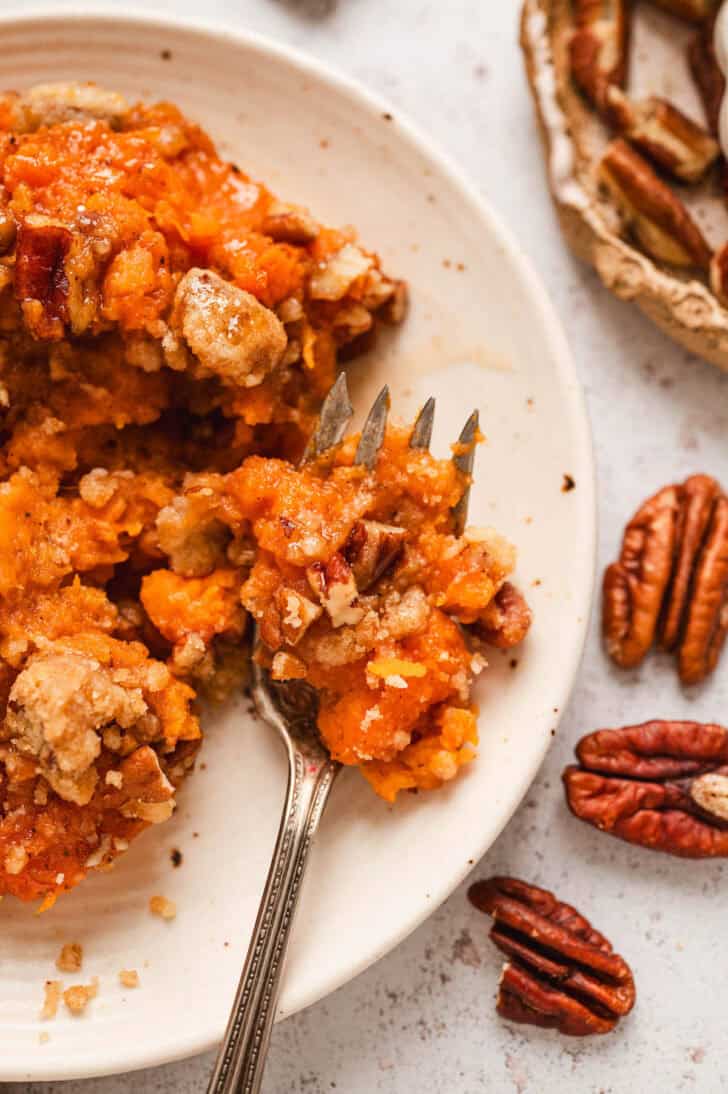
[291,708]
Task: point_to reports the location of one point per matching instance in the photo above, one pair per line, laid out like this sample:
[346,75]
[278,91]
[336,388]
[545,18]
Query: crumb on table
[70,958]
[129,978]
[161,906]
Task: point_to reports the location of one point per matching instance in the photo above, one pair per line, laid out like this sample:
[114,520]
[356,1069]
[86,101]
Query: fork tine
[464,462]
[422,429]
[372,435]
[336,413]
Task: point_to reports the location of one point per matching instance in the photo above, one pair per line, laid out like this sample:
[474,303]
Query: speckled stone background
[422,1020]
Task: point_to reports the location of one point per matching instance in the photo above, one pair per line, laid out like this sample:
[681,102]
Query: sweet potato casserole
[168,330]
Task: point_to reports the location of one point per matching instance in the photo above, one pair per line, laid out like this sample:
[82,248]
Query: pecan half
[41,282]
[506,620]
[673,141]
[695,11]
[649,208]
[672,577]
[561,973]
[662,785]
[599,46]
[707,75]
[371,549]
[635,585]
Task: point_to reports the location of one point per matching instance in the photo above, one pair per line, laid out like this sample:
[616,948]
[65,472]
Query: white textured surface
[422,1020]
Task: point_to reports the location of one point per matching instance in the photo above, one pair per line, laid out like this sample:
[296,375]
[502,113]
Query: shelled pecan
[671,580]
[707,75]
[668,137]
[719,274]
[695,11]
[561,973]
[662,785]
[506,620]
[634,586]
[599,46]
[649,208]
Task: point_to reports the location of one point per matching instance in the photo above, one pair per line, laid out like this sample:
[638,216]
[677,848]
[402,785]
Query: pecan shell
[635,585]
[661,785]
[561,973]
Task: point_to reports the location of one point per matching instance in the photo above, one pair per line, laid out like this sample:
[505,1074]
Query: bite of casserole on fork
[363,583]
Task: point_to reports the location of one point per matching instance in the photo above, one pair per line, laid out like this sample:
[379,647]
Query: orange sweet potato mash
[168,329]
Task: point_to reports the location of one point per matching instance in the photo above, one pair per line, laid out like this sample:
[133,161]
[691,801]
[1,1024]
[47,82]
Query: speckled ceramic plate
[481,332]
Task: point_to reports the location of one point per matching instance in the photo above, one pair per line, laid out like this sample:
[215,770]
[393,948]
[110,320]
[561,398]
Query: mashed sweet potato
[168,329]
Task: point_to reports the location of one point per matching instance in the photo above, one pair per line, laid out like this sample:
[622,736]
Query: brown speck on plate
[568,484]
[513,662]
[323,143]
[176,857]
[387,116]
[166,54]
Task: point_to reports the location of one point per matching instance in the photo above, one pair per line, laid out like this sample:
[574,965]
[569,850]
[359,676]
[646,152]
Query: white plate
[481,332]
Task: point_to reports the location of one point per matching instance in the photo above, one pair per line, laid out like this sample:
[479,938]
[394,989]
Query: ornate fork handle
[240,1063]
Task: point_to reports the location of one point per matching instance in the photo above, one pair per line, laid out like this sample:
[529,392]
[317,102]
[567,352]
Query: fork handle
[241,1059]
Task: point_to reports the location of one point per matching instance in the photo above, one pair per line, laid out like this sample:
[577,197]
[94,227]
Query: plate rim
[223,32]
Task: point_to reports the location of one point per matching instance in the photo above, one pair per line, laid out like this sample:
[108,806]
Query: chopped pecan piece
[599,47]
[336,588]
[395,308]
[507,618]
[634,587]
[371,549]
[707,75]
[695,11]
[649,208]
[561,973]
[286,224]
[671,140]
[41,282]
[662,785]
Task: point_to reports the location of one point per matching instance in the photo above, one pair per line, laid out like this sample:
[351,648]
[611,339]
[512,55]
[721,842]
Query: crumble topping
[70,958]
[162,907]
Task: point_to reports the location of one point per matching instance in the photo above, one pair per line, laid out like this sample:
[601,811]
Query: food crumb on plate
[70,958]
[129,978]
[51,999]
[161,906]
[78,996]
[44,1037]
